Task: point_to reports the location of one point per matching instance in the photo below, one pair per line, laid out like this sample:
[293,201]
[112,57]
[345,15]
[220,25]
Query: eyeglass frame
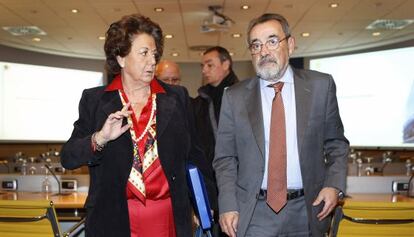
[267,44]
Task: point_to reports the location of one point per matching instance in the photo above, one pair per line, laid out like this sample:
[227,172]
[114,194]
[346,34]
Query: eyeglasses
[170,80]
[271,44]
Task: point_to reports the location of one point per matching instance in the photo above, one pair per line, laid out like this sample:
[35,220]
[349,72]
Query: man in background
[281,154]
[217,73]
[168,72]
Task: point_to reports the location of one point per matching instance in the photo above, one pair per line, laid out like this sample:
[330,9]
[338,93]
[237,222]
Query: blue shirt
[294,176]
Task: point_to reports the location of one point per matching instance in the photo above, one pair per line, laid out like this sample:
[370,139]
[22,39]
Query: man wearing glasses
[281,154]
[168,72]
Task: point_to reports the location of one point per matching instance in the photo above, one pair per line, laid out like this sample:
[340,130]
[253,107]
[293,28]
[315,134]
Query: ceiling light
[386,24]
[24,30]
[169,36]
[236,35]
[175,54]
[101,38]
[158,9]
[376,33]
[333,5]
[231,54]
[245,7]
[74,10]
[305,34]
[35,39]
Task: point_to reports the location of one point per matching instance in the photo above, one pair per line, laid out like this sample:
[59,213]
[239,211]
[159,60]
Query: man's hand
[228,222]
[196,221]
[330,197]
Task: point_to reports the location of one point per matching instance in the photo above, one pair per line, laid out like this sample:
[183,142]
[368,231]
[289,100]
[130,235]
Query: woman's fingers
[126,106]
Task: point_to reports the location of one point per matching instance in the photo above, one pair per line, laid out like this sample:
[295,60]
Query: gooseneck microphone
[56,178]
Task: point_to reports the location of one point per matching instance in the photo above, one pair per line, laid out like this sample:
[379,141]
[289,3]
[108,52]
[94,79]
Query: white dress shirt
[294,176]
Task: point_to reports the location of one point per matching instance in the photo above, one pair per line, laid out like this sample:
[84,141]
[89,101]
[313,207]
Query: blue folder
[199,196]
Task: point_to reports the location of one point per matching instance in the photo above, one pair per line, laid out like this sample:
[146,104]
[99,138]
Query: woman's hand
[113,128]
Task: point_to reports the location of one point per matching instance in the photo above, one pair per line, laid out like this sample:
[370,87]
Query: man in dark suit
[217,71]
[315,149]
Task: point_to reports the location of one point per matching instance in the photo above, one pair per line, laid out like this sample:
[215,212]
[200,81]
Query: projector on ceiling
[215,23]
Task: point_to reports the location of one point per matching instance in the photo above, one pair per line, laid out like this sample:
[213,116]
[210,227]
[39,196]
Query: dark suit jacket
[107,210]
[240,152]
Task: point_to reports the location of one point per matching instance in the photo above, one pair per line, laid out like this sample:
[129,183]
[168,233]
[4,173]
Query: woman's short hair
[120,35]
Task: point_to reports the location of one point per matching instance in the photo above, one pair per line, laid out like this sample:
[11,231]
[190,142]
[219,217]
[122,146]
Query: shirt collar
[116,84]
[286,78]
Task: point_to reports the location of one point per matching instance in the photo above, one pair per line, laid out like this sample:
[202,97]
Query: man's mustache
[267,59]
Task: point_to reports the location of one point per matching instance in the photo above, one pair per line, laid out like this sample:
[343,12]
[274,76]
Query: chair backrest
[376,221]
[28,218]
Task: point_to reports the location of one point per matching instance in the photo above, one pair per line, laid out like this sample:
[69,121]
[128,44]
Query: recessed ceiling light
[158,9]
[35,39]
[333,5]
[231,54]
[101,38]
[236,35]
[245,7]
[377,33]
[169,36]
[75,10]
[305,34]
[175,54]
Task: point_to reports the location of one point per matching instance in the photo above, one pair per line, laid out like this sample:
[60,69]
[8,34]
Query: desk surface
[376,200]
[73,200]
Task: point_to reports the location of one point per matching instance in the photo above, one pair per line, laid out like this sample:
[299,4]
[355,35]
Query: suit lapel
[254,110]
[165,107]
[111,102]
[302,96]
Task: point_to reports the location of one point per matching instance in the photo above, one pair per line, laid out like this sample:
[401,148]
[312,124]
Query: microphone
[56,178]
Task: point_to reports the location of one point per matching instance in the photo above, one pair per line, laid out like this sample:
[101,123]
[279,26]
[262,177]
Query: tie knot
[277,86]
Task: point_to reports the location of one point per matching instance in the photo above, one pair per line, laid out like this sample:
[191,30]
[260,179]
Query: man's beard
[271,72]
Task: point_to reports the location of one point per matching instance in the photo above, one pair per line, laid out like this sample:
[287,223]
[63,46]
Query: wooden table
[386,199]
[72,200]
[377,207]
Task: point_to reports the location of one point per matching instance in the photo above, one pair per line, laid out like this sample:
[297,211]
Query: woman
[136,137]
